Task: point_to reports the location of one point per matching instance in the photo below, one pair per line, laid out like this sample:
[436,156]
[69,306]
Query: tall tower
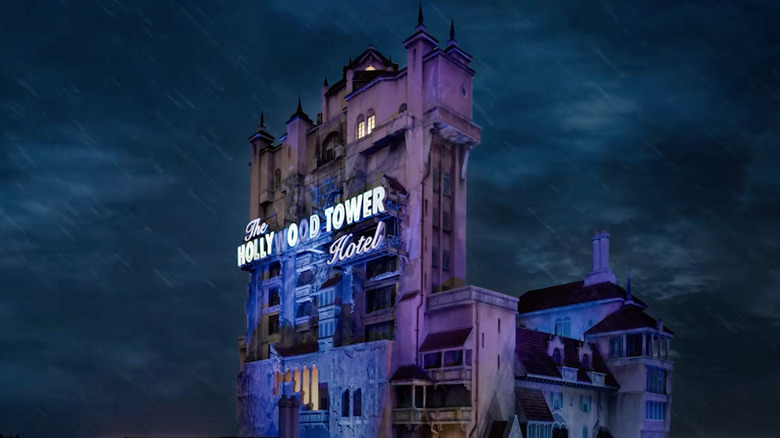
[356,219]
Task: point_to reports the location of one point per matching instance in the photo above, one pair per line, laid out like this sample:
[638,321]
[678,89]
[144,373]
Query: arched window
[402,108]
[329,147]
[370,121]
[586,361]
[557,356]
[357,405]
[345,403]
[361,127]
[278,179]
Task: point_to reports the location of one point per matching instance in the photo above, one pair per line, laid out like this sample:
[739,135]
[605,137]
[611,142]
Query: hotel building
[359,321]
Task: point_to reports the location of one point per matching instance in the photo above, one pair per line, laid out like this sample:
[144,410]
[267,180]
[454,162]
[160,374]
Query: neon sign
[259,243]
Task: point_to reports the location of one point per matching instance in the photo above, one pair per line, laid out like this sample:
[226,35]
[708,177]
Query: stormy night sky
[124,186]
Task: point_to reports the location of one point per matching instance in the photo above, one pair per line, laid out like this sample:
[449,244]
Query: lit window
[585,401]
[447,182]
[655,410]
[361,127]
[370,123]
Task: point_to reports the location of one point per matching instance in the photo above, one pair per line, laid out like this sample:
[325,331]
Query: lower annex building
[359,322]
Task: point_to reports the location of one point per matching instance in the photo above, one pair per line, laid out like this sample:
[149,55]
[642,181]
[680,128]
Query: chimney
[601,272]
[288,417]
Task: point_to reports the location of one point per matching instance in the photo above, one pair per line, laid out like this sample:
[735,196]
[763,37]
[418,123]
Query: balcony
[451,415]
[451,374]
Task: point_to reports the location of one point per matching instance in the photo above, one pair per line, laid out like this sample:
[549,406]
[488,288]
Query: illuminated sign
[259,243]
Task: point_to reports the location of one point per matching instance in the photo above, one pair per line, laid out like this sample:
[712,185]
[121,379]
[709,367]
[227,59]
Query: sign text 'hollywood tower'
[259,243]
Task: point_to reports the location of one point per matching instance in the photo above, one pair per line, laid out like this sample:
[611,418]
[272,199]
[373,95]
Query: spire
[325,83]
[299,110]
[261,132]
[262,122]
[299,113]
[452,41]
[420,17]
[628,287]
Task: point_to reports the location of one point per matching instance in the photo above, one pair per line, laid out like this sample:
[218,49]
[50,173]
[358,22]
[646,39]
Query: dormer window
[370,122]
[361,127]
[586,361]
[556,356]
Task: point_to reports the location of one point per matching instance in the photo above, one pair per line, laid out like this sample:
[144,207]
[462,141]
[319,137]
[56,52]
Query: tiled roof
[296,349]
[533,404]
[531,350]
[396,185]
[409,372]
[331,281]
[448,339]
[628,317]
[568,294]
[306,277]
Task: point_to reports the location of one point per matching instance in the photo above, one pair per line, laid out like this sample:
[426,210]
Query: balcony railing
[314,418]
[452,415]
[461,373]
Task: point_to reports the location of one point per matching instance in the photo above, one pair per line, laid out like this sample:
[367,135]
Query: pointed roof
[629,317]
[531,350]
[420,17]
[299,113]
[531,401]
[452,40]
[570,294]
[261,132]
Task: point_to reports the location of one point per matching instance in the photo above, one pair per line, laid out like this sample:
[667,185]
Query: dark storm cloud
[123,182]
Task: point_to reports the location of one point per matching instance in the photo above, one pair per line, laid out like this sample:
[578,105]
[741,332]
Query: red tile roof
[531,350]
[531,401]
[628,317]
[410,372]
[569,294]
[448,339]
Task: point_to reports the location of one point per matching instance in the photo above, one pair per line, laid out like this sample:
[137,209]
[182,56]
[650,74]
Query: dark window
[403,396]
[402,108]
[453,358]
[345,403]
[434,257]
[381,265]
[273,296]
[329,147]
[274,269]
[381,298]
[557,356]
[634,345]
[435,216]
[445,260]
[418,397]
[278,179]
[468,357]
[273,324]
[499,325]
[323,396]
[432,360]
[357,403]
[655,410]
[445,221]
[436,179]
[556,400]
[447,184]
[616,346]
[560,431]
[656,380]
[586,361]
[585,402]
[392,227]
[376,332]
[443,396]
